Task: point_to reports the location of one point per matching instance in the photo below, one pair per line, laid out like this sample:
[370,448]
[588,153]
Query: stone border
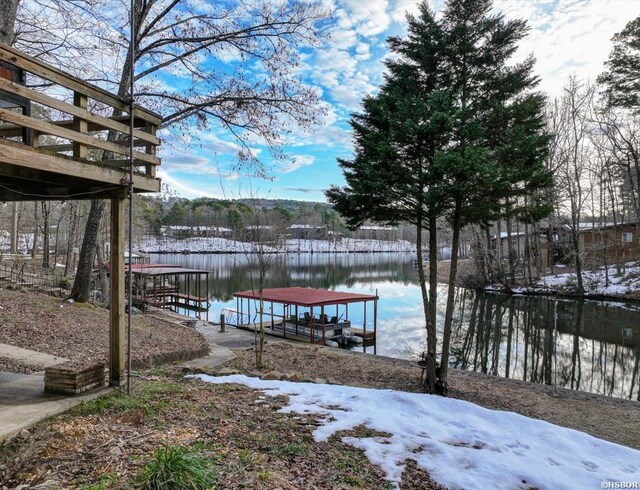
[170,357]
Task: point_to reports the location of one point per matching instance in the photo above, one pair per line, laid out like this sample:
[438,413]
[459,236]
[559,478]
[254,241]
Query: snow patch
[222,245]
[460,444]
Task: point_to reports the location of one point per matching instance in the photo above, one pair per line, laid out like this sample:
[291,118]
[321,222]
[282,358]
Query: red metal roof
[305,296]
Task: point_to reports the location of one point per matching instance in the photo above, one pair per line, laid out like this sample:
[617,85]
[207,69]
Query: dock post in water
[375,323]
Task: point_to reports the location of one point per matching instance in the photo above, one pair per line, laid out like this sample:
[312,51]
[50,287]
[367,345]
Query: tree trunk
[102,275]
[510,251]
[448,316]
[8,10]
[46,236]
[14,228]
[36,227]
[71,239]
[575,237]
[429,384]
[82,282]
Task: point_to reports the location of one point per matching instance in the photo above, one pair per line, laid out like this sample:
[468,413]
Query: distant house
[258,233]
[519,246]
[180,231]
[373,232]
[308,232]
[597,243]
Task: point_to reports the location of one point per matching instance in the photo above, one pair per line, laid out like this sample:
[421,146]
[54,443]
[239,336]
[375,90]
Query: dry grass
[80,331]
[106,443]
[612,419]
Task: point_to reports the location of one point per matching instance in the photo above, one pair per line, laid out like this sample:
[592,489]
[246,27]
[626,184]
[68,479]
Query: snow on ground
[203,245]
[460,444]
[595,282]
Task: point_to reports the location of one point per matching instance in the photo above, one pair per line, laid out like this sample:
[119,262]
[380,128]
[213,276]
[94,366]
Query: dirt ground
[80,331]
[612,419]
[104,444]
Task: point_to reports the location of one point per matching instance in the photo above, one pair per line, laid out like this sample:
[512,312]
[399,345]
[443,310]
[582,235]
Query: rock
[48,485]
[320,381]
[201,370]
[227,372]
[24,433]
[272,376]
[22,486]
[115,451]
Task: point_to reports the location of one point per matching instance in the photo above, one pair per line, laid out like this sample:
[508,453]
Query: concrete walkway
[221,344]
[23,402]
[29,357]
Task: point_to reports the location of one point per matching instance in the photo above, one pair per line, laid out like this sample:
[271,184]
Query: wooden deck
[290,335]
[83,152]
[71,140]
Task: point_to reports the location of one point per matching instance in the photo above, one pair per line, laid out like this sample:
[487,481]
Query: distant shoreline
[287,252]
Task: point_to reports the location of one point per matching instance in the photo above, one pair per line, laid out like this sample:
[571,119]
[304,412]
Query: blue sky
[567,37]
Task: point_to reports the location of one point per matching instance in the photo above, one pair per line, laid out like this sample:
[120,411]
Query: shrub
[64,283]
[175,468]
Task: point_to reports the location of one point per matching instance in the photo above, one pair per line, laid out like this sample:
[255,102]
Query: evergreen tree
[622,78]
[454,131]
[392,177]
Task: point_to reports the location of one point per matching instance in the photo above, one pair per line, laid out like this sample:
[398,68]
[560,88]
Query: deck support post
[324,335]
[296,319]
[116,310]
[312,327]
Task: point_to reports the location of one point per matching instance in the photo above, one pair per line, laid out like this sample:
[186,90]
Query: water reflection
[597,344]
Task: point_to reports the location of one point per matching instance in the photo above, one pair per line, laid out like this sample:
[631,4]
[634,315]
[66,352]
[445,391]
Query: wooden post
[324,336]
[116,312]
[150,169]
[375,323]
[364,328]
[206,278]
[312,327]
[272,322]
[297,319]
[81,126]
[222,324]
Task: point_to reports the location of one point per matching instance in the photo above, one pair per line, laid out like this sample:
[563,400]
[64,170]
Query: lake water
[595,346]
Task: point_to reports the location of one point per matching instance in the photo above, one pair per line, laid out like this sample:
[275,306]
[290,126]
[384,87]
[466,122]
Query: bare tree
[192,41]
[571,124]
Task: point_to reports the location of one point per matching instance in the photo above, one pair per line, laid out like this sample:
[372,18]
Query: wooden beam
[98,122]
[69,147]
[117,354]
[48,128]
[23,156]
[32,65]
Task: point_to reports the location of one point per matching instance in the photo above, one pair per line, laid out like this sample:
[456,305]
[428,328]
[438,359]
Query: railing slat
[43,70]
[18,154]
[55,130]
[100,121]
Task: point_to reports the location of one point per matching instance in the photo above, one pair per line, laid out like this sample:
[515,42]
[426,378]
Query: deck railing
[71,118]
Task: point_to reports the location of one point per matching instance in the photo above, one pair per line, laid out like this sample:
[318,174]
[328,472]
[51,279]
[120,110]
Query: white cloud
[569,36]
[185,189]
[296,162]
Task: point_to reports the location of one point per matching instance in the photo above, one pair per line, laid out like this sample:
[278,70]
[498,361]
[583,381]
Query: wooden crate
[72,379]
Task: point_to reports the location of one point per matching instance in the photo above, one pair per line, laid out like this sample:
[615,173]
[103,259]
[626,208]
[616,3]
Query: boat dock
[304,314]
[171,287]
